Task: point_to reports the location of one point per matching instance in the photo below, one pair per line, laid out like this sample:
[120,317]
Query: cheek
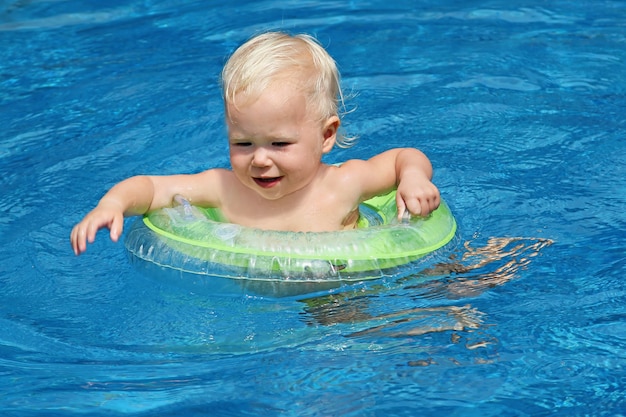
[237,159]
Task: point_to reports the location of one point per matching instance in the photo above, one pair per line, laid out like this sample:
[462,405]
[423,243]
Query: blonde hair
[269,56]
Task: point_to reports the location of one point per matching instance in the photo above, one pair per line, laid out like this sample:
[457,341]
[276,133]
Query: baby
[282,98]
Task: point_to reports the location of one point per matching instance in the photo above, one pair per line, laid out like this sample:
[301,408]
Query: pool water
[519,105]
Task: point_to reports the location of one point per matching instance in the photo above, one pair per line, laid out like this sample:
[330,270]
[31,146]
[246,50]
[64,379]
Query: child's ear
[330,133]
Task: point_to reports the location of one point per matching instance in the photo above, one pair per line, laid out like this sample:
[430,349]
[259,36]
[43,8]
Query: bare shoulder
[345,181]
[367,177]
[349,169]
[208,187]
[215,174]
[344,174]
[381,161]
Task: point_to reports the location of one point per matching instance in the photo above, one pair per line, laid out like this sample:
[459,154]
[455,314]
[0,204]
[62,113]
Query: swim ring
[198,241]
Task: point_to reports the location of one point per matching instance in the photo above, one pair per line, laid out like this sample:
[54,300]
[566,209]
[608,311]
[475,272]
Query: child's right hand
[104,215]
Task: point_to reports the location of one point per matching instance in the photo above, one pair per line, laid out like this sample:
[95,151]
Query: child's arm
[407,169]
[416,192]
[138,195]
[130,197]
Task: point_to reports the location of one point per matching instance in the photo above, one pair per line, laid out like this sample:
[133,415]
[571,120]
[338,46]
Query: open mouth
[267,182]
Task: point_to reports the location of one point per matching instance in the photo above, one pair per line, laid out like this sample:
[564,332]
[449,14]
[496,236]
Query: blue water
[519,105]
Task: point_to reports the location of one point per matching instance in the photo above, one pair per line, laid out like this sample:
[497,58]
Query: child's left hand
[417,194]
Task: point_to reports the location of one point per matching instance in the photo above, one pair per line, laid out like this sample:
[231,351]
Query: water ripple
[521,15]
[497,82]
[62,20]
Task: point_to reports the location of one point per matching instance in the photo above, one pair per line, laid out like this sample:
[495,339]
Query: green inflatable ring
[197,240]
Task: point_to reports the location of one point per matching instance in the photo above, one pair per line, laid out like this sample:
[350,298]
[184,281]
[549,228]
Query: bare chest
[307,215]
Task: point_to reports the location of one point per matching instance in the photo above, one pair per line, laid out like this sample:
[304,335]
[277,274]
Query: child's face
[275,146]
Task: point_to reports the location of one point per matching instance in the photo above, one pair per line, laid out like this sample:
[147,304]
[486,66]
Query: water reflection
[380,312]
[481,268]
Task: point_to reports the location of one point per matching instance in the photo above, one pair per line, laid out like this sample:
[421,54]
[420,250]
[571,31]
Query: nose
[261,158]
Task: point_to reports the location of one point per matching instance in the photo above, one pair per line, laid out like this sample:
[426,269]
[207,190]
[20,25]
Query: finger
[73,241]
[434,204]
[426,208]
[79,243]
[92,229]
[415,207]
[116,228]
[401,206]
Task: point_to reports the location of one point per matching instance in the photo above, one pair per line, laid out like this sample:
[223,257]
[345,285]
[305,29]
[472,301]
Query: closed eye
[242,144]
[281,144]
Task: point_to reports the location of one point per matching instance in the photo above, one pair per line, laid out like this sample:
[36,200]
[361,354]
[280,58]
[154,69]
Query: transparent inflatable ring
[198,240]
